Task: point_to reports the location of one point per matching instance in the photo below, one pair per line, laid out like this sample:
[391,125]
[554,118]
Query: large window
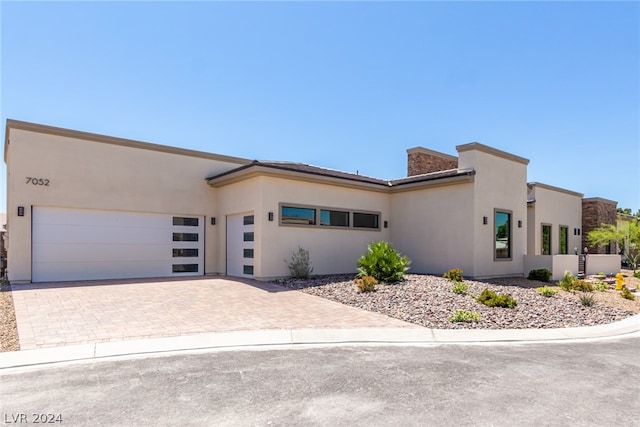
[564,239]
[502,235]
[302,215]
[546,239]
[334,218]
[297,216]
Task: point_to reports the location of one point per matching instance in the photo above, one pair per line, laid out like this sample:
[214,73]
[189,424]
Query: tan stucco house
[83,206]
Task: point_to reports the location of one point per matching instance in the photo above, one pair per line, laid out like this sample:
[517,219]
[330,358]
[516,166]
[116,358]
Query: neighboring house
[85,206]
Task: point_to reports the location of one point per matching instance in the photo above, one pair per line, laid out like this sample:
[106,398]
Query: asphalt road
[570,384]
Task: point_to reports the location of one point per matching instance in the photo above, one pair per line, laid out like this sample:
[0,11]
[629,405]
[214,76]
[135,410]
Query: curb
[295,337]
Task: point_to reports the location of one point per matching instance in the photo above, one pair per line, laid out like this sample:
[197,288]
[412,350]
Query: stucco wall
[555,207]
[434,228]
[500,183]
[556,264]
[607,264]
[96,175]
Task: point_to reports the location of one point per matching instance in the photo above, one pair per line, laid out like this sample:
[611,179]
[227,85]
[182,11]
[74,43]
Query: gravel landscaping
[428,301]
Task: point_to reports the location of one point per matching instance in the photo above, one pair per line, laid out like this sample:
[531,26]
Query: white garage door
[79,244]
[240,237]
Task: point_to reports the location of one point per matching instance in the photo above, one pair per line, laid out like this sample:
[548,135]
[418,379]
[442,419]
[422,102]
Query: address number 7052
[38,181]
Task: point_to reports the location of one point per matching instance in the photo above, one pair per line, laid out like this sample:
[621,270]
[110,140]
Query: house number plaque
[38,181]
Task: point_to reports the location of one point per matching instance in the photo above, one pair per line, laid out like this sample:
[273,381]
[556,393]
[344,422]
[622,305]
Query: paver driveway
[56,314]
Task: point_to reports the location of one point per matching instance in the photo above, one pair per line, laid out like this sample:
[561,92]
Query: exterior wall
[556,207]
[332,250]
[500,183]
[595,212]
[421,160]
[556,264]
[434,228]
[607,264]
[96,175]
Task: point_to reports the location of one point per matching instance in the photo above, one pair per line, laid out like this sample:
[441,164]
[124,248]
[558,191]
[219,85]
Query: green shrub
[567,281]
[300,264]
[383,262]
[546,291]
[460,288]
[366,284]
[541,275]
[587,300]
[637,274]
[626,293]
[581,285]
[600,286]
[464,316]
[492,299]
[455,275]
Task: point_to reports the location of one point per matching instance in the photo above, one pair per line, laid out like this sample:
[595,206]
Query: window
[546,239]
[178,253]
[564,239]
[365,220]
[189,222]
[185,268]
[247,269]
[298,216]
[248,236]
[247,253]
[247,220]
[502,222]
[185,237]
[334,218]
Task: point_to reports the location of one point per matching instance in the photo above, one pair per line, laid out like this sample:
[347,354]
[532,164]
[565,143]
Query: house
[84,206]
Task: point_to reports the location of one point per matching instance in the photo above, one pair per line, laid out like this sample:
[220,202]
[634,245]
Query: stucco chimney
[422,160]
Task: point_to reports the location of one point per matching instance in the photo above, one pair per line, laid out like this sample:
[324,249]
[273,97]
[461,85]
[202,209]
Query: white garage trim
[82,244]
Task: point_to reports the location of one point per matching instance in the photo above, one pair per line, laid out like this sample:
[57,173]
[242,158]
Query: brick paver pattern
[56,314]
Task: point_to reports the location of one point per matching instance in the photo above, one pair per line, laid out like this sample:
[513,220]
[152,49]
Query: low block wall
[607,264]
[556,264]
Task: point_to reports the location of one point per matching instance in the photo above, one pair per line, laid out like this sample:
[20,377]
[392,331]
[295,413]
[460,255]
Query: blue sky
[344,85]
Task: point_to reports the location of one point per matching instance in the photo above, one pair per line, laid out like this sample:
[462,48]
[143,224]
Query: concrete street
[573,383]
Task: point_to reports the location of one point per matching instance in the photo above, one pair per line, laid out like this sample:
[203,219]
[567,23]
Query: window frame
[496,258]
[318,212]
[566,242]
[546,226]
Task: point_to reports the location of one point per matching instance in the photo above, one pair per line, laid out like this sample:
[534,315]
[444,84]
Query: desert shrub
[566,283]
[492,299]
[587,299]
[541,275]
[600,286]
[383,262]
[460,288]
[637,274]
[300,264]
[546,291]
[582,286]
[366,283]
[455,275]
[626,294]
[464,316]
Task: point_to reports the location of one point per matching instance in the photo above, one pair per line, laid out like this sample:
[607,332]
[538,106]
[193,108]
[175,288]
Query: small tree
[627,237]
[300,264]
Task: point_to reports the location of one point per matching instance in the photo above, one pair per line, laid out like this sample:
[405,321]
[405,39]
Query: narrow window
[365,220]
[247,220]
[502,235]
[247,253]
[247,269]
[564,240]
[185,237]
[189,222]
[546,239]
[248,236]
[179,253]
[297,216]
[334,218]
[185,268]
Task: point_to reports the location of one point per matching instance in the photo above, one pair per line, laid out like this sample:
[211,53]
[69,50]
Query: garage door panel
[80,244]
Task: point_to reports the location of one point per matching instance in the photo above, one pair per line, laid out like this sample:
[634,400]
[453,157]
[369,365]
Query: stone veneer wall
[420,163]
[596,212]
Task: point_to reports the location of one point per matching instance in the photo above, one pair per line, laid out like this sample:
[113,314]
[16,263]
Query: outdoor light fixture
[575,250]
[485,220]
[20,210]
[270,216]
[586,250]
[213,220]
